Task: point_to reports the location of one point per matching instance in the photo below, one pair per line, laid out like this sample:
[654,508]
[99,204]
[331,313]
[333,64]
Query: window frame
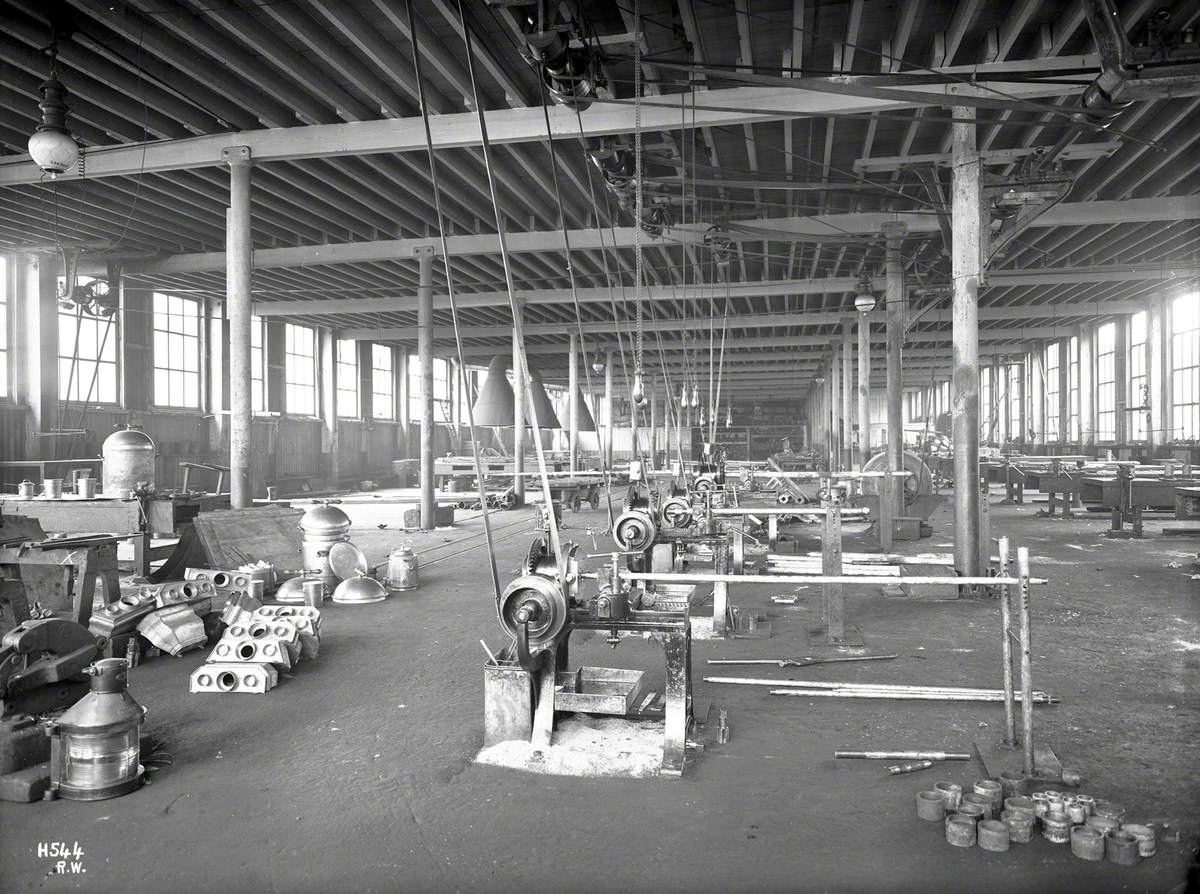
[176,343]
[386,374]
[115,336]
[340,365]
[1185,342]
[290,366]
[1106,381]
[1137,375]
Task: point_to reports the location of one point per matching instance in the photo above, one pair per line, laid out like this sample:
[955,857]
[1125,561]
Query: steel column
[847,396]
[864,389]
[607,447]
[894,297]
[836,422]
[965,225]
[425,351]
[518,420]
[573,399]
[238,259]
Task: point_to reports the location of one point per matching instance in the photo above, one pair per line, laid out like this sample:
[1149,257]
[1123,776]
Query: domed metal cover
[495,403]
[291,591]
[360,590]
[325,519]
[346,560]
[128,439]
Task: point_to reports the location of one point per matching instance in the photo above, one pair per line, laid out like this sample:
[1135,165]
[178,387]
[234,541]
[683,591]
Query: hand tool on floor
[802,661]
[911,767]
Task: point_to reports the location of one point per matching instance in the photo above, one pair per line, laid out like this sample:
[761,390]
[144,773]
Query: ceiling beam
[1169,208]
[738,105]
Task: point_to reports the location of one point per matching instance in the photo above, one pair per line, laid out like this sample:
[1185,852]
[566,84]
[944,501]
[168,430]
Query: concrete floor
[356,774]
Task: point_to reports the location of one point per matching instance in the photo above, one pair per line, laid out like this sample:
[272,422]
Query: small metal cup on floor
[314,593]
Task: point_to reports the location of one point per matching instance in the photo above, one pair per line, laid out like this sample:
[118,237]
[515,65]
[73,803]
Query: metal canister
[52,488]
[85,487]
[26,490]
[129,457]
[314,593]
[323,526]
[402,570]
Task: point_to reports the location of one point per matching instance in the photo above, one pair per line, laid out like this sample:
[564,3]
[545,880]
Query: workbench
[138,519]
[14,471]
[1187,502]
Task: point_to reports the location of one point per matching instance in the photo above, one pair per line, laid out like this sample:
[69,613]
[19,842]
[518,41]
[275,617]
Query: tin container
[1040,804]
[1109,809]
[930,806]
[951,794]
[1087,843]
[1088,802]
[52,488]
[1121,847]
[129,462]
[992,835]
[1077,812]
[960,830]
[314,593]
[1102,824]
[86,488]
[1020,826]
[26,490]
[1147,843]
[1056,827]
[403,570]
[1013,783]
[1019,804]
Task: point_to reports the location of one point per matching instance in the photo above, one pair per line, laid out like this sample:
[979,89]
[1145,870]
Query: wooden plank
[68,516]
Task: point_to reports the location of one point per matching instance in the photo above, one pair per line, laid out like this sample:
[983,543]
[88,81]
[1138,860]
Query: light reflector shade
[546,417]
[586,421]
[495,403]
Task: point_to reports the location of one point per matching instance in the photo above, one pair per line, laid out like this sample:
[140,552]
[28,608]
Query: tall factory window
[299,370]
[1185,367]
[1073,388]
[1106,382]
[176,352]
[1053,396]
[441,389]
[346,378]
[87,357]
[383,382]
[987,412]
[1016,408]
[1137,376]
[4,327]
[258,365]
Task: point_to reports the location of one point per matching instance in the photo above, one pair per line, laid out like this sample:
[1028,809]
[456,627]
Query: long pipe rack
[685,577]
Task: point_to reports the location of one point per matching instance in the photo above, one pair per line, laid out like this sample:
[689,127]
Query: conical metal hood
[541,403]
[586,421]
[495,405]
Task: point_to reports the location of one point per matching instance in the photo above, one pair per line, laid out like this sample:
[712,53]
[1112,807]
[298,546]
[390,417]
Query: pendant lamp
[495,404]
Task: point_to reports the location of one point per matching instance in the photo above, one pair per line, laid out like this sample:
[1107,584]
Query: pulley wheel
[918,484]
[634,530]
[540,602]
[704,483]
[677,512]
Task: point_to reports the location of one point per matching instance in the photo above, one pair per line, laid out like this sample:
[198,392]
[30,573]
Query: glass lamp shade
[864,302]
[53,150]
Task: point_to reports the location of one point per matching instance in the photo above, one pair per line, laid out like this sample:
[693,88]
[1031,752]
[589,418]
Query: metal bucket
[26,490]
[402,570]
[52,488]
[85,487]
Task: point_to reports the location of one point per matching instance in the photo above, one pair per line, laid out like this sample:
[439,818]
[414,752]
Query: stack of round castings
[1019,804]
[1087,843]
[1013,783]
[993,835]
[1121,847]
[930,806]
[1102,824]
[990,788]
[982,801]
[960,830]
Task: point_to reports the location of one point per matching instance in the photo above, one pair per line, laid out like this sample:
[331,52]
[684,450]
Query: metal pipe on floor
[425,351]
[965,220]
[238,263]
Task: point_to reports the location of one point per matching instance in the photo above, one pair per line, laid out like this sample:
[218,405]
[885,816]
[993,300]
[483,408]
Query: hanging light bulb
[695,396]
[701,416]
[639,391]
[683,395]
[52,147]
[598,362]
[729,417]
[864,301]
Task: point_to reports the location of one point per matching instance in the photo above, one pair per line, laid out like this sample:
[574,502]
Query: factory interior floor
[356,773]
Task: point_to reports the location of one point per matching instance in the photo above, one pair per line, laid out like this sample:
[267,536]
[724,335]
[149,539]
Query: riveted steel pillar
[966,227]
[238,263]
[424,256]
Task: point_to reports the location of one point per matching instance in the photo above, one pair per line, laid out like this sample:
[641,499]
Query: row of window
[1005,403]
